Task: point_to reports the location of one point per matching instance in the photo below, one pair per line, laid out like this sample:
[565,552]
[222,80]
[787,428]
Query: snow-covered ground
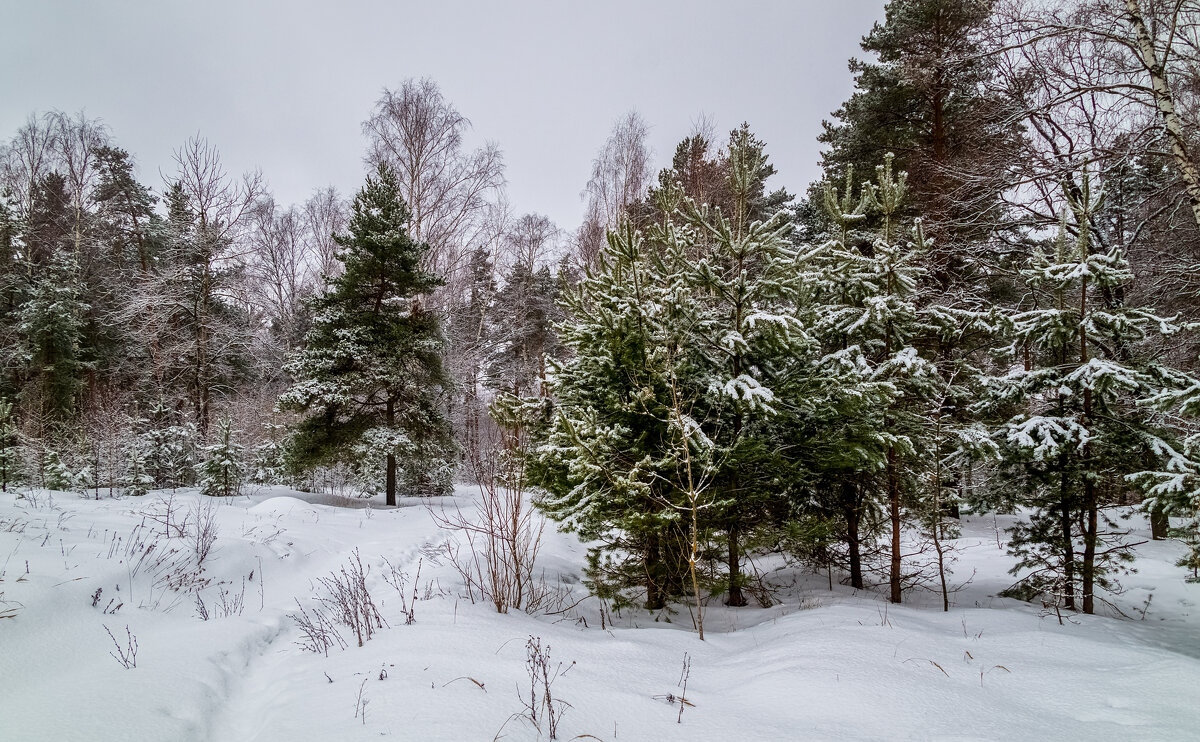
[821,665]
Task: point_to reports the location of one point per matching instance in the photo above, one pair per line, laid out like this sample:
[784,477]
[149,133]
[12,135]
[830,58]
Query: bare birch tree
[325,214]
[420,134]
[621,175]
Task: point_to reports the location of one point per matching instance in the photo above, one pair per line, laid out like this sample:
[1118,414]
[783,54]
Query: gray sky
[284,86]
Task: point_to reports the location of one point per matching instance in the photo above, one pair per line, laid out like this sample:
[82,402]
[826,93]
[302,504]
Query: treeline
[136,318]
[988,302]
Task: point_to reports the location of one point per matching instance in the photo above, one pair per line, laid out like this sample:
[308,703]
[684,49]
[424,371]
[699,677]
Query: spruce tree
[137,479]
[521,321]
[55,474]
[223,470]
[170,448]
[370,379]
[51,322]
[470,340]
[12,283]
[10,452]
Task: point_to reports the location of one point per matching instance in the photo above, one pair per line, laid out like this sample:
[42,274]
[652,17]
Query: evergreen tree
[521,322]
[269,458]
[12,283]
[51,325]
[924,100]
[10,452]
[742,274]
[137,479]
[370,377]
[48,223]
[697,173]
[874,319]
[206,334]
[223,469]
[604,452]
[170,448]
[470,341]
[55,474]
[1172,487]
[127,220]
[1080,430]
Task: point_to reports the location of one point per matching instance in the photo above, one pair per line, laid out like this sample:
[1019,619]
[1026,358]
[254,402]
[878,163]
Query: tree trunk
[654,594]
[853,519]
[894,507]
[736,598]
[391,457]
[1160,524]
[1089,547]
[1068,544]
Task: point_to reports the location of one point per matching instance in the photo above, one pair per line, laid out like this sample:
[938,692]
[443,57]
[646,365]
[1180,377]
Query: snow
[821,664]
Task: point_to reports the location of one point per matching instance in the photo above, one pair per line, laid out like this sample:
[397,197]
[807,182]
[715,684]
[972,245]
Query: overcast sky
[284,86]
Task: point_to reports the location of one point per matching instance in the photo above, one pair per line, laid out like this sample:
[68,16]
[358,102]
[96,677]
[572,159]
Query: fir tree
[137,480]
[370,377]
[10,453]
[223,469]
[55,474]
[51,324]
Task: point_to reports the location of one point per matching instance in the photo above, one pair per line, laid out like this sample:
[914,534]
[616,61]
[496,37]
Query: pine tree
[742,276]
[223,469]
[874,321]
[127,220]
[697,173]
[674,343]
[924,100]
[1080,429]
[604,453]
[1172,485]
[370,376]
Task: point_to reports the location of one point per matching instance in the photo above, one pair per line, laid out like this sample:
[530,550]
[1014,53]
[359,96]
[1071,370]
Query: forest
[988,304]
